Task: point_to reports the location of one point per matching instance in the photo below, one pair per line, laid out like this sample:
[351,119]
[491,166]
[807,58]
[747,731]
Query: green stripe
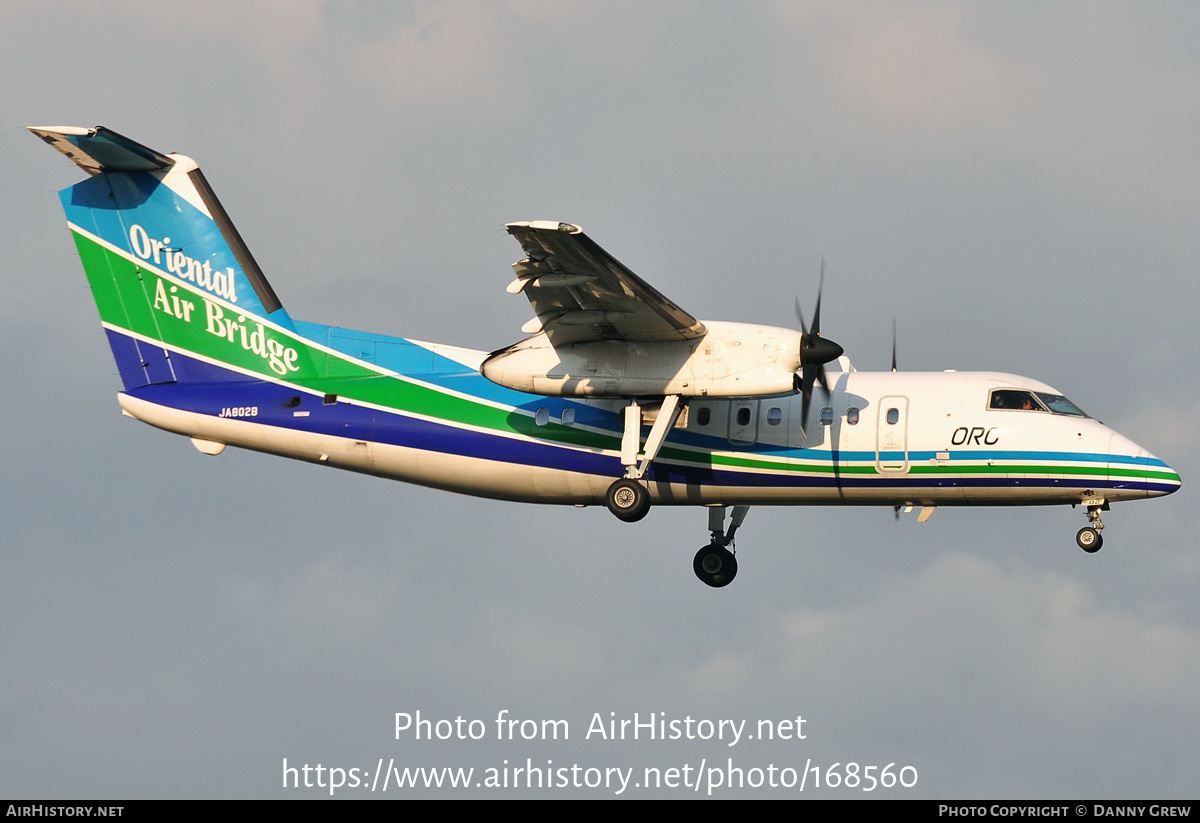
[126,293]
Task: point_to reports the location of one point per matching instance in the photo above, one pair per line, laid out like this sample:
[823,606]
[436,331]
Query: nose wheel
[1089,538]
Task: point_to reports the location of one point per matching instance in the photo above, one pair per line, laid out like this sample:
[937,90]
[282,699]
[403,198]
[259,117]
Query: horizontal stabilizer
[101,150]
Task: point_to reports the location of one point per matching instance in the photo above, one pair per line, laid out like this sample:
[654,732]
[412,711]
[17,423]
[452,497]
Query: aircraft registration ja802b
[616,396]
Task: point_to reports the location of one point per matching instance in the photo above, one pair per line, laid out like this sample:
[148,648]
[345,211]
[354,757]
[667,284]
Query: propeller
[815,352]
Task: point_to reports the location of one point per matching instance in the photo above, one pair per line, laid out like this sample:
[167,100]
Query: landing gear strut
[627,498]
[715,564]
[1089,538]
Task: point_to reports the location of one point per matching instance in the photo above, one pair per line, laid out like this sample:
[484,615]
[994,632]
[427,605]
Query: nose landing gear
[1089,538]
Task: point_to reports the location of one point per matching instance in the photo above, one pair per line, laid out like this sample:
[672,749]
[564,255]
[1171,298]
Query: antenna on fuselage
[894,345]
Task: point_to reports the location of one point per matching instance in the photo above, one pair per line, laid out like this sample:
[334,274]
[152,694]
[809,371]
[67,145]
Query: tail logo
[256,339]
[179,264]
[279,357]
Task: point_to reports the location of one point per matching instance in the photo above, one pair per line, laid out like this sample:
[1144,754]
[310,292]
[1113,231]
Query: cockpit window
[1060,405]
[1025,400]
[1014,400]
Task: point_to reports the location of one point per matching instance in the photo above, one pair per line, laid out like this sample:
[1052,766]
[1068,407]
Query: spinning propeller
[815,352]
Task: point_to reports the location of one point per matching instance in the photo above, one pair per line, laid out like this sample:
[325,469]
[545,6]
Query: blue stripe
[210,388]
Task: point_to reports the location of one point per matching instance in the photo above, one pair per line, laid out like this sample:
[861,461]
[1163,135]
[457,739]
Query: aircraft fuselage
[945,446]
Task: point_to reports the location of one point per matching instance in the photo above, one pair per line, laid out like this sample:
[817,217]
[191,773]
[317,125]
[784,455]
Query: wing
[580,293]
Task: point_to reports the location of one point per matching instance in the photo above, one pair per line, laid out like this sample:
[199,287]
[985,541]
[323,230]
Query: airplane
[615,396]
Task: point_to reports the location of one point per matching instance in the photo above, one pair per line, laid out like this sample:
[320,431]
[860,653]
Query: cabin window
[542,417]
[826,416]
[774,415]
[330,400]
[852,416]
[568,417]
[703,416]
[893,416]
[743,416]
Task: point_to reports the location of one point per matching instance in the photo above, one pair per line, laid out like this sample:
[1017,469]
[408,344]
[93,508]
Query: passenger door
[891,435]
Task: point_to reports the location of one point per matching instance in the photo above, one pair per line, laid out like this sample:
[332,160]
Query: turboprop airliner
[615,396]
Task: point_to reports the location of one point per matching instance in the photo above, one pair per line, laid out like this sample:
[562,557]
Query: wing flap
[580,292]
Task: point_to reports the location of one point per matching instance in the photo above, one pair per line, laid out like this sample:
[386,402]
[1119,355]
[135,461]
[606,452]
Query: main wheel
[1089,539]
[628,500]
[715,566]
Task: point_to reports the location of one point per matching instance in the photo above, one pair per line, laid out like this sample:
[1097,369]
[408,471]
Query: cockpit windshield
[1025,400]
[1057,404]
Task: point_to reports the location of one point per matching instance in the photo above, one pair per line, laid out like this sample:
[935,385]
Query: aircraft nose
[1132,468]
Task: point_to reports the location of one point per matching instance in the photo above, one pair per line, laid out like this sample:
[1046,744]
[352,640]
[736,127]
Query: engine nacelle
[731,360]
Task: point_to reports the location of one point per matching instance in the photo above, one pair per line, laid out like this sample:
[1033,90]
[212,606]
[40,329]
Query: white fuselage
[877,438]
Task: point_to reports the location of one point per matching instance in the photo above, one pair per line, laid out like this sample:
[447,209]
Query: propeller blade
[821,378]
[805,404]
[817,313]
[812,375]
[800,317]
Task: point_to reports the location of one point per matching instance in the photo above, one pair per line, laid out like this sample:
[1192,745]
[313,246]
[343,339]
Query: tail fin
[169,272]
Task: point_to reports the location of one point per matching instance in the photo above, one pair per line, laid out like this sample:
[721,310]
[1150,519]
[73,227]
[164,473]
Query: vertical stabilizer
[173,280]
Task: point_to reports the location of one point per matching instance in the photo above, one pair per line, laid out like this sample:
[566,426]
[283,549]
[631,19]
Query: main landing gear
[715,564]
[1089,538]
[628,498]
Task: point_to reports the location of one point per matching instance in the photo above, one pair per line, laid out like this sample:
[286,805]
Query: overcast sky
[1017,184]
